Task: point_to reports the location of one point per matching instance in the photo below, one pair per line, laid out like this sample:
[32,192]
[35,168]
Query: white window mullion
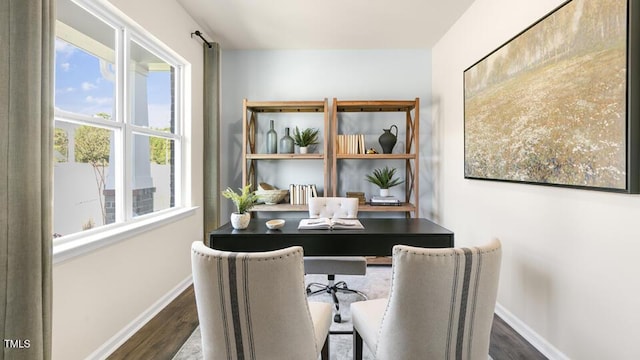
[153,133]
[123,147]
[177,177]
[82,119]
[179,160]
[127,193]
[127,86]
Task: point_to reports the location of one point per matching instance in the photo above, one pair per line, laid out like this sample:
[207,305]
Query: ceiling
[328,24]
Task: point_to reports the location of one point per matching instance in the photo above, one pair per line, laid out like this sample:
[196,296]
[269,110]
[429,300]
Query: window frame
[126,225]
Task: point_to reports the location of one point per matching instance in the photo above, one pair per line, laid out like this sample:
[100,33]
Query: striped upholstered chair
[440,306]
[253,306]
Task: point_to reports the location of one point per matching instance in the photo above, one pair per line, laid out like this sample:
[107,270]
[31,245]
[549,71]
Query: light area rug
[375,284]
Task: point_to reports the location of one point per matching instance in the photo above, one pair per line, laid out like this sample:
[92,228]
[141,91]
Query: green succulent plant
[244,200]
[305,137]
[384,178]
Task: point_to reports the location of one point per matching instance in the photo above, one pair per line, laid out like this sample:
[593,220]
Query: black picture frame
[553,106]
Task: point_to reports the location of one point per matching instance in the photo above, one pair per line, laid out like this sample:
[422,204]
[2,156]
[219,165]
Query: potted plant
[384,179]
[243,201]
[305,138]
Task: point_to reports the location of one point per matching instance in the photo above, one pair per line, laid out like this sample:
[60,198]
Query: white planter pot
[240,221]
[304,149]
[384,192]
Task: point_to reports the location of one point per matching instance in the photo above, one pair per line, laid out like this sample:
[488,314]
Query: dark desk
[377,238]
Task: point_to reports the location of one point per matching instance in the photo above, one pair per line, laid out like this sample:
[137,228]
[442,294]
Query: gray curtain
[211,137]
[26,127]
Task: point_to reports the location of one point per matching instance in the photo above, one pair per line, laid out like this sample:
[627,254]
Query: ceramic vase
[286,143]
[388,140]
[304,149]
[240,221]
[272,140]
[384,192]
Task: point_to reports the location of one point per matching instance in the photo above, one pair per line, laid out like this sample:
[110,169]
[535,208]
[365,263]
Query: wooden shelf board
[404,207]
[378,260]
[375,106]
[375,156]
[365,208]
[285,156]
[285,106]
[280,207]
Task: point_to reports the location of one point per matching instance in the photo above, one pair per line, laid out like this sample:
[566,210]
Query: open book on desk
[327,223]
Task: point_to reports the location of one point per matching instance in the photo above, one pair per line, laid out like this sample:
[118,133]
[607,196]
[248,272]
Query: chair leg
[343,287]
[357,345]
[333,288]
[324,354]
[336,317]
[321,289]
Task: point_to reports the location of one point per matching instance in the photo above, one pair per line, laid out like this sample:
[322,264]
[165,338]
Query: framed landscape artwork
[553,105]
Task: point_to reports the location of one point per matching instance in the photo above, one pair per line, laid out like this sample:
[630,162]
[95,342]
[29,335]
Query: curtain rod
[199,34]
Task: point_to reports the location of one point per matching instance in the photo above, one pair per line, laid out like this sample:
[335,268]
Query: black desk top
[376,239]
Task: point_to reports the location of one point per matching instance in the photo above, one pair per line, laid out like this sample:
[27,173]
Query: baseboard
[123,335]
[537,341]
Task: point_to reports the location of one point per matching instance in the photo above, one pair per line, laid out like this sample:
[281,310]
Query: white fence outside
[76,197]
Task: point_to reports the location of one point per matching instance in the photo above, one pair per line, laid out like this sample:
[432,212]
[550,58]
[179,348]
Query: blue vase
[272,140]
[286,143]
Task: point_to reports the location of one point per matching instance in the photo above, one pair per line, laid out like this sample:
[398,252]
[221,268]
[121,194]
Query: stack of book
[357,194]
[385,200]
[299,194]
[350,144]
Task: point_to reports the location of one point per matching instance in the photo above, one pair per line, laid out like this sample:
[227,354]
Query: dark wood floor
[163,336]
[506,344]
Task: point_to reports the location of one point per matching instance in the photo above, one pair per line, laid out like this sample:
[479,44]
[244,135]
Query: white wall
[99,294]
[570,267]
[315,75]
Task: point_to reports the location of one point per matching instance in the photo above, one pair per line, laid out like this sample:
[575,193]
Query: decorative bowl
[275,224]
[271,197]
[265,186]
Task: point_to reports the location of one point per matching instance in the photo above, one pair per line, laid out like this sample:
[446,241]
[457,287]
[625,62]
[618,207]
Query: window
[118,139]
